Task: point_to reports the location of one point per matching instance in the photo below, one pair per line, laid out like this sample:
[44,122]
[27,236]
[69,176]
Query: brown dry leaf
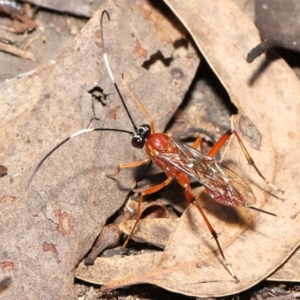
[77,7]
[255,244]
[48,228]
[157,232]
[109,237]
[278,21]
[290,271]
[118,267]
[152,231]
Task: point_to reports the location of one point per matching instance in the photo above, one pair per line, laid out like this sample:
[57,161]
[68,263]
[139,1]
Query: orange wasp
[181,161]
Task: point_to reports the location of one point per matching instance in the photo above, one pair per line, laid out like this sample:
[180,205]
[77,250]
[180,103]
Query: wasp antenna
[77,133]
[261,210]
[105,12]
[139,105]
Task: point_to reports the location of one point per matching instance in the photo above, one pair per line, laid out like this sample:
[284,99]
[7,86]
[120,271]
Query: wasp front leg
[128,165]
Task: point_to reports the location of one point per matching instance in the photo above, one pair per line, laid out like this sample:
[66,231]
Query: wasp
[181,162]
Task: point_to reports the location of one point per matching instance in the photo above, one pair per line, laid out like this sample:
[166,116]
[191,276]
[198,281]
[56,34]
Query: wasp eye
[142,133]
[137,142]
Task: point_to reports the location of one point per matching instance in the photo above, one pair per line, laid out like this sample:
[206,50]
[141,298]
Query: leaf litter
[255,244]
[50,227]
[277,85]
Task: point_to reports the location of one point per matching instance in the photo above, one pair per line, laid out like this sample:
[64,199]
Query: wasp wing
[221,183]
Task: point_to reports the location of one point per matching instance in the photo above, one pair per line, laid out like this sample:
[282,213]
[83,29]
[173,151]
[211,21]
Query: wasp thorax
[159,142]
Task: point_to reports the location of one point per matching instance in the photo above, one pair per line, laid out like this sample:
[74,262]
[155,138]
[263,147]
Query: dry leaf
[77,7]
[51,226]
[117,267]
[290,271]
[152,231]
[278,21]
[255,244]
[109,237]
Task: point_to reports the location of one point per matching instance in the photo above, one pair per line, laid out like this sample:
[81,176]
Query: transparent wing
[221,183]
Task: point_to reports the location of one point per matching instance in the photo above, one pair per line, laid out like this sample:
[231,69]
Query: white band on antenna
[108,68]
[81,132]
